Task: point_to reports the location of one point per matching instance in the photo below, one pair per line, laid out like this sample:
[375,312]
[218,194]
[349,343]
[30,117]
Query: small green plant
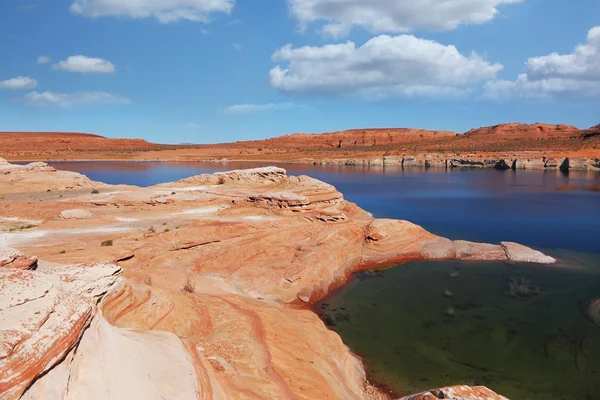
[107,243]
[298,247]
[189,286]
[95,191]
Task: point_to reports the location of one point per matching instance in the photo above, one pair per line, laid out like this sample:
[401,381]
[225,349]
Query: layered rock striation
[192,289]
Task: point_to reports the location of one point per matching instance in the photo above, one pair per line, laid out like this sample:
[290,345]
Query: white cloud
[164,10]
[74,99]
[384,66]
[575,75]
[19,83]
[238,47]
[43,60]
[394,16]
[85,64]
[255,108]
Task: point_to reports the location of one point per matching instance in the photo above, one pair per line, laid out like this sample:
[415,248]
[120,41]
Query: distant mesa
[538,130]
[509,140]
[63,141]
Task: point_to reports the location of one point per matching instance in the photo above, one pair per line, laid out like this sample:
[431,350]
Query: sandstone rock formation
[192,289]
[75,214]
[519,253]
[457,393]
[519,145]
[36,176]
[42,317]
[11,258]
[358,137]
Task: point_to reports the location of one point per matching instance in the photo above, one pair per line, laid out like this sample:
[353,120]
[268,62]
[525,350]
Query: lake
[429,324]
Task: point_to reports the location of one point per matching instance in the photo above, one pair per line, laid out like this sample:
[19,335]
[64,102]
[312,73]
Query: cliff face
[357,137]
[506,140]
[524,131]
[196,289]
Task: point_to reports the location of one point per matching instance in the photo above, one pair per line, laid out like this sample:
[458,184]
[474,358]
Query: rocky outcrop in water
[457,393]
[37,176]
[191,289]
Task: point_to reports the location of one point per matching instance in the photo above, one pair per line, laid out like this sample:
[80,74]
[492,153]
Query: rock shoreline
[195,289]
[435,161]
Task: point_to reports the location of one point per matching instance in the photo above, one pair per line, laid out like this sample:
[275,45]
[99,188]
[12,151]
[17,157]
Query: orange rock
[457,393]
[226,282]
[11,258]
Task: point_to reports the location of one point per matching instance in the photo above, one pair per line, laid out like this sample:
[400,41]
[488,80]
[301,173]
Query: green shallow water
[419,326]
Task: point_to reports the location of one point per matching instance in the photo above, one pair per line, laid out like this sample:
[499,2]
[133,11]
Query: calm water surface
[428,324]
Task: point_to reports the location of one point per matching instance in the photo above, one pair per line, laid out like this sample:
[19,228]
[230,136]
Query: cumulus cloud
[43,60]
[85,64]
[255,108]
[19,83]
[393,16]
[163,10]
[384,66]
[74,99]
[575,75]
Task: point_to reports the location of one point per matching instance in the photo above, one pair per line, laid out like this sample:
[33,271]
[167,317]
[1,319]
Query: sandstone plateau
[195,289]
[517,146]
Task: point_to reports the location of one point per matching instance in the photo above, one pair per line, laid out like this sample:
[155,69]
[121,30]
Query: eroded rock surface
[457,393]
[38,176]
[216,274]
[42,318]
[519,253]
[11,258]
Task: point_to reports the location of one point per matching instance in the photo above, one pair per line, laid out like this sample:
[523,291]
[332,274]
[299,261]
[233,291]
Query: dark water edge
[423,325]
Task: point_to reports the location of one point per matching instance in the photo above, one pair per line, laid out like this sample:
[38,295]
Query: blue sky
[207,71]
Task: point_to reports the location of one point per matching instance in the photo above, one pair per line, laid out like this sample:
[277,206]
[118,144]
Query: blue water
[544,209]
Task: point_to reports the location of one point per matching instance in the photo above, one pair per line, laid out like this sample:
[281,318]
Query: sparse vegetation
[62,252]
[22,227]
[221,180]
[107,243]
[151,229]
[189,286]
[167,230]
[298,247]
[95,191]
